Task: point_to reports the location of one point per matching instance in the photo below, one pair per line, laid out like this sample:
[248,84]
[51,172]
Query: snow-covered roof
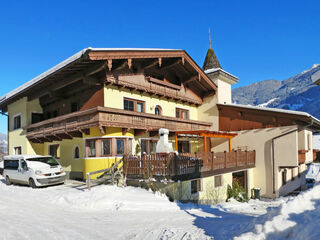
[69,60]
[277,110]
[212,70]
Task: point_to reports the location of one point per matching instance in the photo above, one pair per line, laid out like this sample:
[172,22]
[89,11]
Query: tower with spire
[211,61]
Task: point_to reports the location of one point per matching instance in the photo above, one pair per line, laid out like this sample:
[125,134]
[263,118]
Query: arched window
[157,110]
[76,152]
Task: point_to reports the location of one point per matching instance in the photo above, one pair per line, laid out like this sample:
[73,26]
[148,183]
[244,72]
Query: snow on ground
[109,212]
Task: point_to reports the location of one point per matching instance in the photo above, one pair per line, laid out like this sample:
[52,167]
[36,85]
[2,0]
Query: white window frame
[13,149]
[214,181]
[13,117]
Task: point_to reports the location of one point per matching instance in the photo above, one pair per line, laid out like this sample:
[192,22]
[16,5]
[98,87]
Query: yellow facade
[113,97]
[92,164]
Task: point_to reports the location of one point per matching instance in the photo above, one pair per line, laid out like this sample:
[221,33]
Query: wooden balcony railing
[74,124]
[158,87]
[186,166]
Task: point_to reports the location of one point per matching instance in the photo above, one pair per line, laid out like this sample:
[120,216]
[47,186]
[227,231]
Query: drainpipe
[295,130]
[5,114]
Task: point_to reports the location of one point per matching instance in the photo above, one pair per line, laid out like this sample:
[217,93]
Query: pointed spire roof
[211,60]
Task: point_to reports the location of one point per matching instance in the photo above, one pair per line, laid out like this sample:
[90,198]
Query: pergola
[206,134]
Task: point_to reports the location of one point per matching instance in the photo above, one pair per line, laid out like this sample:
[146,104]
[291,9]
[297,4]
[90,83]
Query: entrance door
[241,178]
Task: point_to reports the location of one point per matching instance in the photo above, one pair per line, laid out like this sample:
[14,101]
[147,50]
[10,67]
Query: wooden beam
[171,64]
[176,137]
[125,130]
[109,64]
[102,130]
[121,66]
[191,79]
[139,132]
[229,142]
[151,64]
[77,134]
[85,131]
[129,63]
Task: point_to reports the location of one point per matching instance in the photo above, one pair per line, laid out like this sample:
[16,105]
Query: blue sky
[254,40]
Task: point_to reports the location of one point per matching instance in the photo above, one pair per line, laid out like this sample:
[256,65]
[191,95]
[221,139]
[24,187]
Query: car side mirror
[25,168]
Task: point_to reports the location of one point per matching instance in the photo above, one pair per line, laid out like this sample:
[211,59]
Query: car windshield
[310,180]
[48,160]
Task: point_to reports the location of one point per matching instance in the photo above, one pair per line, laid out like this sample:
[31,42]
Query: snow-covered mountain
[3,142]
[295,93]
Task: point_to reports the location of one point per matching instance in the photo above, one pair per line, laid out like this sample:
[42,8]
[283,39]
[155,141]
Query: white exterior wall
[260,140]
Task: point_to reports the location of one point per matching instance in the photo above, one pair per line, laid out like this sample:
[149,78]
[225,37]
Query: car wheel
[32,183]
[8,182]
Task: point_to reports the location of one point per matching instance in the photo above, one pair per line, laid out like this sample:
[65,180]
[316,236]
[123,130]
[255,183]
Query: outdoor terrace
[186,166]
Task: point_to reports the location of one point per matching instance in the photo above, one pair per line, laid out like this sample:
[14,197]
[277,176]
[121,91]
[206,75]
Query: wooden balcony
[186,166]
[75,124]
[156,87]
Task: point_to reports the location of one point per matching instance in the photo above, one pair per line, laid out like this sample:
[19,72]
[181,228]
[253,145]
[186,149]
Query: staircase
[111,175]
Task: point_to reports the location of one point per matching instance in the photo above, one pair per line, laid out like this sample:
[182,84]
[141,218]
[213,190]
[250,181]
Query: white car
[34,170]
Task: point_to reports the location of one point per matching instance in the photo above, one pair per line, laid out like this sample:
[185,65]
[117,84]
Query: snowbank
[109,212]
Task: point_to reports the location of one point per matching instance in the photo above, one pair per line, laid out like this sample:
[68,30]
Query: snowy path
[109,212]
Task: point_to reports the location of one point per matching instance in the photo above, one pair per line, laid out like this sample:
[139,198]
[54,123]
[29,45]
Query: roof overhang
[98,58]
[218,73]
[208,133]
[305,119]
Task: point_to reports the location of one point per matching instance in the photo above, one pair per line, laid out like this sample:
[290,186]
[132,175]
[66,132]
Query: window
[157,110]
[23,164]
[292,174]
[91,148]
[284,177]
[129,147]
[106,147]
[148,146]
[74,107]
[133,105]
[153,146]
[36,117]
[11,164]
[139,107]
[17,150]
[76,152]
[53,150]
[195,186]
[17,122]
[183,147]
[218,181]
[120,146]
[128,105]
[182,113]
